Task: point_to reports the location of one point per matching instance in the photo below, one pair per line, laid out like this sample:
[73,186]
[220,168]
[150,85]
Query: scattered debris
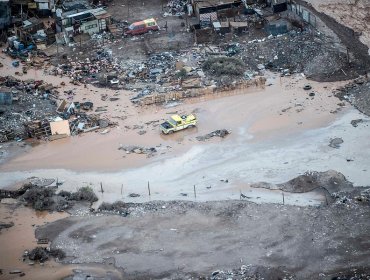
[307,87]
[357,93]
[138,150]
[217,133]
[5,225]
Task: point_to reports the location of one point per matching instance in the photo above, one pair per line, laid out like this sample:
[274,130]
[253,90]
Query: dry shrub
[224,66]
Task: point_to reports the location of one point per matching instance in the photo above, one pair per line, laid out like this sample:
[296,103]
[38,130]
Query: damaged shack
[88,21]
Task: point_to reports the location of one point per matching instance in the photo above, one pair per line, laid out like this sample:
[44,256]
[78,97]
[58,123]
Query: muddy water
[15,240]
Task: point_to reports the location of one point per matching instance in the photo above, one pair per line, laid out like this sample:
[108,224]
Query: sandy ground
[352,13]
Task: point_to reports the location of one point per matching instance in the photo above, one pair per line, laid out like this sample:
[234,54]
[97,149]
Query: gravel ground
[222,240]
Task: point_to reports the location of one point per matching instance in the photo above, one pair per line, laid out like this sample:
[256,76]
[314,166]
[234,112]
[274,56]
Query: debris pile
[175,8]
[357,93]
[297,52]
[42,254]
[29,100]
[217,133]
[138,150]
[331,181]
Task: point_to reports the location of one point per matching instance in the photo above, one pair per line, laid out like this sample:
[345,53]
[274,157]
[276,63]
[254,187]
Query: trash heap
[29,108]
[29,100]
[175,8]
[357,93]
[294,52]
[88,70]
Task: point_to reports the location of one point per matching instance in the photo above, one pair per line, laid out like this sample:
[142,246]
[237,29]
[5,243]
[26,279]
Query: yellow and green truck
[177,122]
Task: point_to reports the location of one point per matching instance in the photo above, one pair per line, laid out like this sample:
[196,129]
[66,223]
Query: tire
[170,132]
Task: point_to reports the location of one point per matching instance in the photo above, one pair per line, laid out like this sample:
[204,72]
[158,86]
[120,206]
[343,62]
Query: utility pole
[128,10]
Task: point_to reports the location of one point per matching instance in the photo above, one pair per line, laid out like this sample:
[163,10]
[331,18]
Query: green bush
[40,198]
[224,66]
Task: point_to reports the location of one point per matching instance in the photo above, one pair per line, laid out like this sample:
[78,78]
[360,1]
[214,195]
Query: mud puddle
[15,240]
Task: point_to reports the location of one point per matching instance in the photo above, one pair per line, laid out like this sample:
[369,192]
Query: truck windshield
[131,27]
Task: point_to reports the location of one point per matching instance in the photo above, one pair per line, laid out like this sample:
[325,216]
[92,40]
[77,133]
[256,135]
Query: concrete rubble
[357,93]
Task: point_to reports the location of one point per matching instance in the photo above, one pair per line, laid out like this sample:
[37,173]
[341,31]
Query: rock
[335,143]
[103,123]
[355,123]
[9,201]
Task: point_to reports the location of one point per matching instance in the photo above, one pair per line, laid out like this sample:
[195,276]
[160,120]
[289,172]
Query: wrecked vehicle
[142,27]
[177,122]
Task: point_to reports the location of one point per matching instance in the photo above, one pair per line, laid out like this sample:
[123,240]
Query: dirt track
[348,37]
[174,240]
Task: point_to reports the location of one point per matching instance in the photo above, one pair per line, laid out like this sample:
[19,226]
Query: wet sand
[277,132]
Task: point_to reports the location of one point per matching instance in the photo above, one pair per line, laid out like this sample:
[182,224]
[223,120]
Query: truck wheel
[190,126]
[170,132]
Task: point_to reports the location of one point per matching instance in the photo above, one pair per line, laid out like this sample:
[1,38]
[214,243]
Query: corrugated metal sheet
[6,98]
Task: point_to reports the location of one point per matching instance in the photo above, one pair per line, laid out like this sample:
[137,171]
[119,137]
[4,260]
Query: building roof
[98,13]
[213,3]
